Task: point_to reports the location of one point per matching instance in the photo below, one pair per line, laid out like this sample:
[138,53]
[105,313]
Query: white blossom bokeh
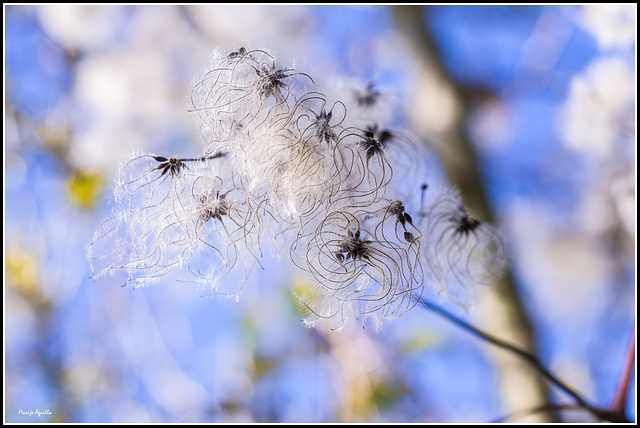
[88,85]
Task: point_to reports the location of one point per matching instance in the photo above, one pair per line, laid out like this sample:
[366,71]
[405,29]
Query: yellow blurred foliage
[83,188]
[20,269]
[418,342]
[302,291]
[21,273]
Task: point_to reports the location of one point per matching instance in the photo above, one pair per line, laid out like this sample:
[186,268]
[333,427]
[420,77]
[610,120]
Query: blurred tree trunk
[522,386]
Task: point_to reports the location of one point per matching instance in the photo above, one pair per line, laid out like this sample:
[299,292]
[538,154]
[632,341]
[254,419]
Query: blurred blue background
[553,123]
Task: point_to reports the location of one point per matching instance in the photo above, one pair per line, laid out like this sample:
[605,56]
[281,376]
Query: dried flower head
[316,177]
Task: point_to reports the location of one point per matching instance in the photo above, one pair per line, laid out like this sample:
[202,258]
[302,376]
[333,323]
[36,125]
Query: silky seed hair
[316,173]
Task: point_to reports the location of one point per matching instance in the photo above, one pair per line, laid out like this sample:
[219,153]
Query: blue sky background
[92,351]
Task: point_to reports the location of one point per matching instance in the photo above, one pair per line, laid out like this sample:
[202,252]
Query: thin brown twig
[611,414]
[618,402]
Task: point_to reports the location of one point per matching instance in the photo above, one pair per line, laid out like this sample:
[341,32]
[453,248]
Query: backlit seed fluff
[305,171]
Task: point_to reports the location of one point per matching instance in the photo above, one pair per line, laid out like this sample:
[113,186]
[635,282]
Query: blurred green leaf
[386,392]
[21,273]
[84,187]
[419,341]
[302,291]
[262,366]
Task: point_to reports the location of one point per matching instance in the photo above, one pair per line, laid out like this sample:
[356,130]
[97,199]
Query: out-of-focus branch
[507,346]
[614,414]
[522,387]
[620,397]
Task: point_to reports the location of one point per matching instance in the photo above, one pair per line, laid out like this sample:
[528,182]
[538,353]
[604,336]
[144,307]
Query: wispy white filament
[319,178]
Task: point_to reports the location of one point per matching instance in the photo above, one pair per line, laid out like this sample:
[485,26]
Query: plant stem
[620,397]
[504,345]
[612,415]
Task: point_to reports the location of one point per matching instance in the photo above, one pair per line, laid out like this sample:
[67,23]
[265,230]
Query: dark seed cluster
[291,166]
